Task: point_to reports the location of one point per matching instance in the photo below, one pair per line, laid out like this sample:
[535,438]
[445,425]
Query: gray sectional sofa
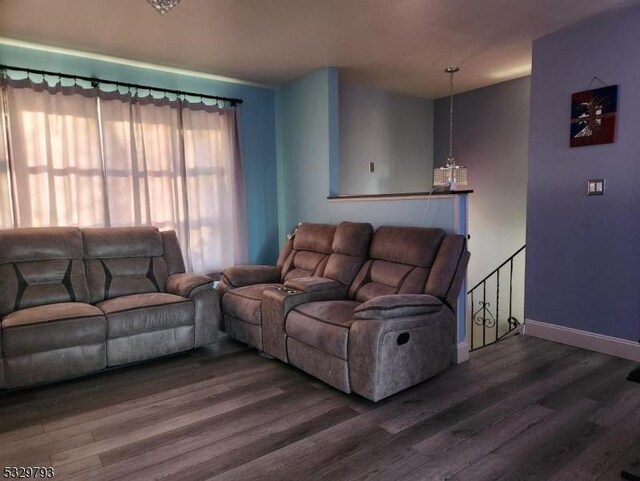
[74,301]
[372,313]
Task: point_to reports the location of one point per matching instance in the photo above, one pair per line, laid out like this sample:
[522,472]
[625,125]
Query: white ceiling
[397,45]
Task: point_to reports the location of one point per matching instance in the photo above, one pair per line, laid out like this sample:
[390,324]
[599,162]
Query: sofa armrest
[388,355]
[187,284]
[239,276]
[276,304]
[2,381]
[312,284]
[199,289]
[397,306]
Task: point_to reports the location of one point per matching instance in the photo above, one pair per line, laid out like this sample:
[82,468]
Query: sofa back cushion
[285,252]
[310,251]
[172,253]
[400,261]
[349,251]
[449,269]
[40,266]
[123,261]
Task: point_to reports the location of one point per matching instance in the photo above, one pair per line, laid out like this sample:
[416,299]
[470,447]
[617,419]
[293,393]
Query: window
[78,156]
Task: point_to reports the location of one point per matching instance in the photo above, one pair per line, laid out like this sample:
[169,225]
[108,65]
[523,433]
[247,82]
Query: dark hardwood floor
[524,409]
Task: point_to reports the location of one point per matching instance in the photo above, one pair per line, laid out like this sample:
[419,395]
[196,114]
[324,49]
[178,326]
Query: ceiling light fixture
[163,6]
[452,175]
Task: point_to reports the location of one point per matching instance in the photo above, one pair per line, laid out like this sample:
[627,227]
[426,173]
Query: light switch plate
[372,167]
[595,187]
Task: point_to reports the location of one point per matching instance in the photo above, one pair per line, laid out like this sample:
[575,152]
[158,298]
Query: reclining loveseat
[320,260]
[376,325]
[74,301]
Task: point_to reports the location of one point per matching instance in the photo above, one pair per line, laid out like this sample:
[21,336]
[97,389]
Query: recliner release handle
[403,338]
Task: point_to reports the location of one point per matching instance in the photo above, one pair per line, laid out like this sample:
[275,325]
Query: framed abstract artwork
[593,116]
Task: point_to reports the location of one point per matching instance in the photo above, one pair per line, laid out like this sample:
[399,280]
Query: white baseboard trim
[586,340]
[460,352]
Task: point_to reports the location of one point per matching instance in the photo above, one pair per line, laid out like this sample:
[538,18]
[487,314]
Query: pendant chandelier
[163,6]
[452,175]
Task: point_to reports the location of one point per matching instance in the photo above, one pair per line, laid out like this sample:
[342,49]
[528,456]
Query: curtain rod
[95,80]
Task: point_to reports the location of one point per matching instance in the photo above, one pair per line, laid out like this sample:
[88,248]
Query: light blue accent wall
[257,128]
[437,211]
[307,111]
[308,170]
[393,131]
[334,132]
[583,260]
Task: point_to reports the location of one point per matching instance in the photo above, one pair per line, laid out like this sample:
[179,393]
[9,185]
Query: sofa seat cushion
[52,326]
[323,325]
[245,303]
[139,313]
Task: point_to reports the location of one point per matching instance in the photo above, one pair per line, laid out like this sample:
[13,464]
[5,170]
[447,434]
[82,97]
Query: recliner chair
[321,258]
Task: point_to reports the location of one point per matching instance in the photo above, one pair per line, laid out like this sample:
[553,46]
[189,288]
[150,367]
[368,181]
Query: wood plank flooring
[523,409]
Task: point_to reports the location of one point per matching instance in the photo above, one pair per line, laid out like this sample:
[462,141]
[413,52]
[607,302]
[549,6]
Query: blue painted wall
[308,169]
[436,211]
[491,138]
[308,164]
[257,127]
[307,111]
[583,253]
[394,131]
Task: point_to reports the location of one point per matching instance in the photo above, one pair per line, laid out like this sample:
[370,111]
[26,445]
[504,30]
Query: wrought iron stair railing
[492,322]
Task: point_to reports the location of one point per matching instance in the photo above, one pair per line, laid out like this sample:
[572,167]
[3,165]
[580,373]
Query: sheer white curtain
[55,146]
[210,133]
[144,164]
[122,161]
[6,217]
[191,182]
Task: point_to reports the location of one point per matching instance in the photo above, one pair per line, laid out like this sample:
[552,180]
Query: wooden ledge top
[401,195]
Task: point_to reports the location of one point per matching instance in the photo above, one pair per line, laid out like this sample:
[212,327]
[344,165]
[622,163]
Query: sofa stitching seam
[388,308]
[90,316]
[321,320]
[146,307]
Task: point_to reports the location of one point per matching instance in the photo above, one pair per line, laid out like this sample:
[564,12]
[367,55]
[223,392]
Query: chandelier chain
[451,117]
[451,176]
